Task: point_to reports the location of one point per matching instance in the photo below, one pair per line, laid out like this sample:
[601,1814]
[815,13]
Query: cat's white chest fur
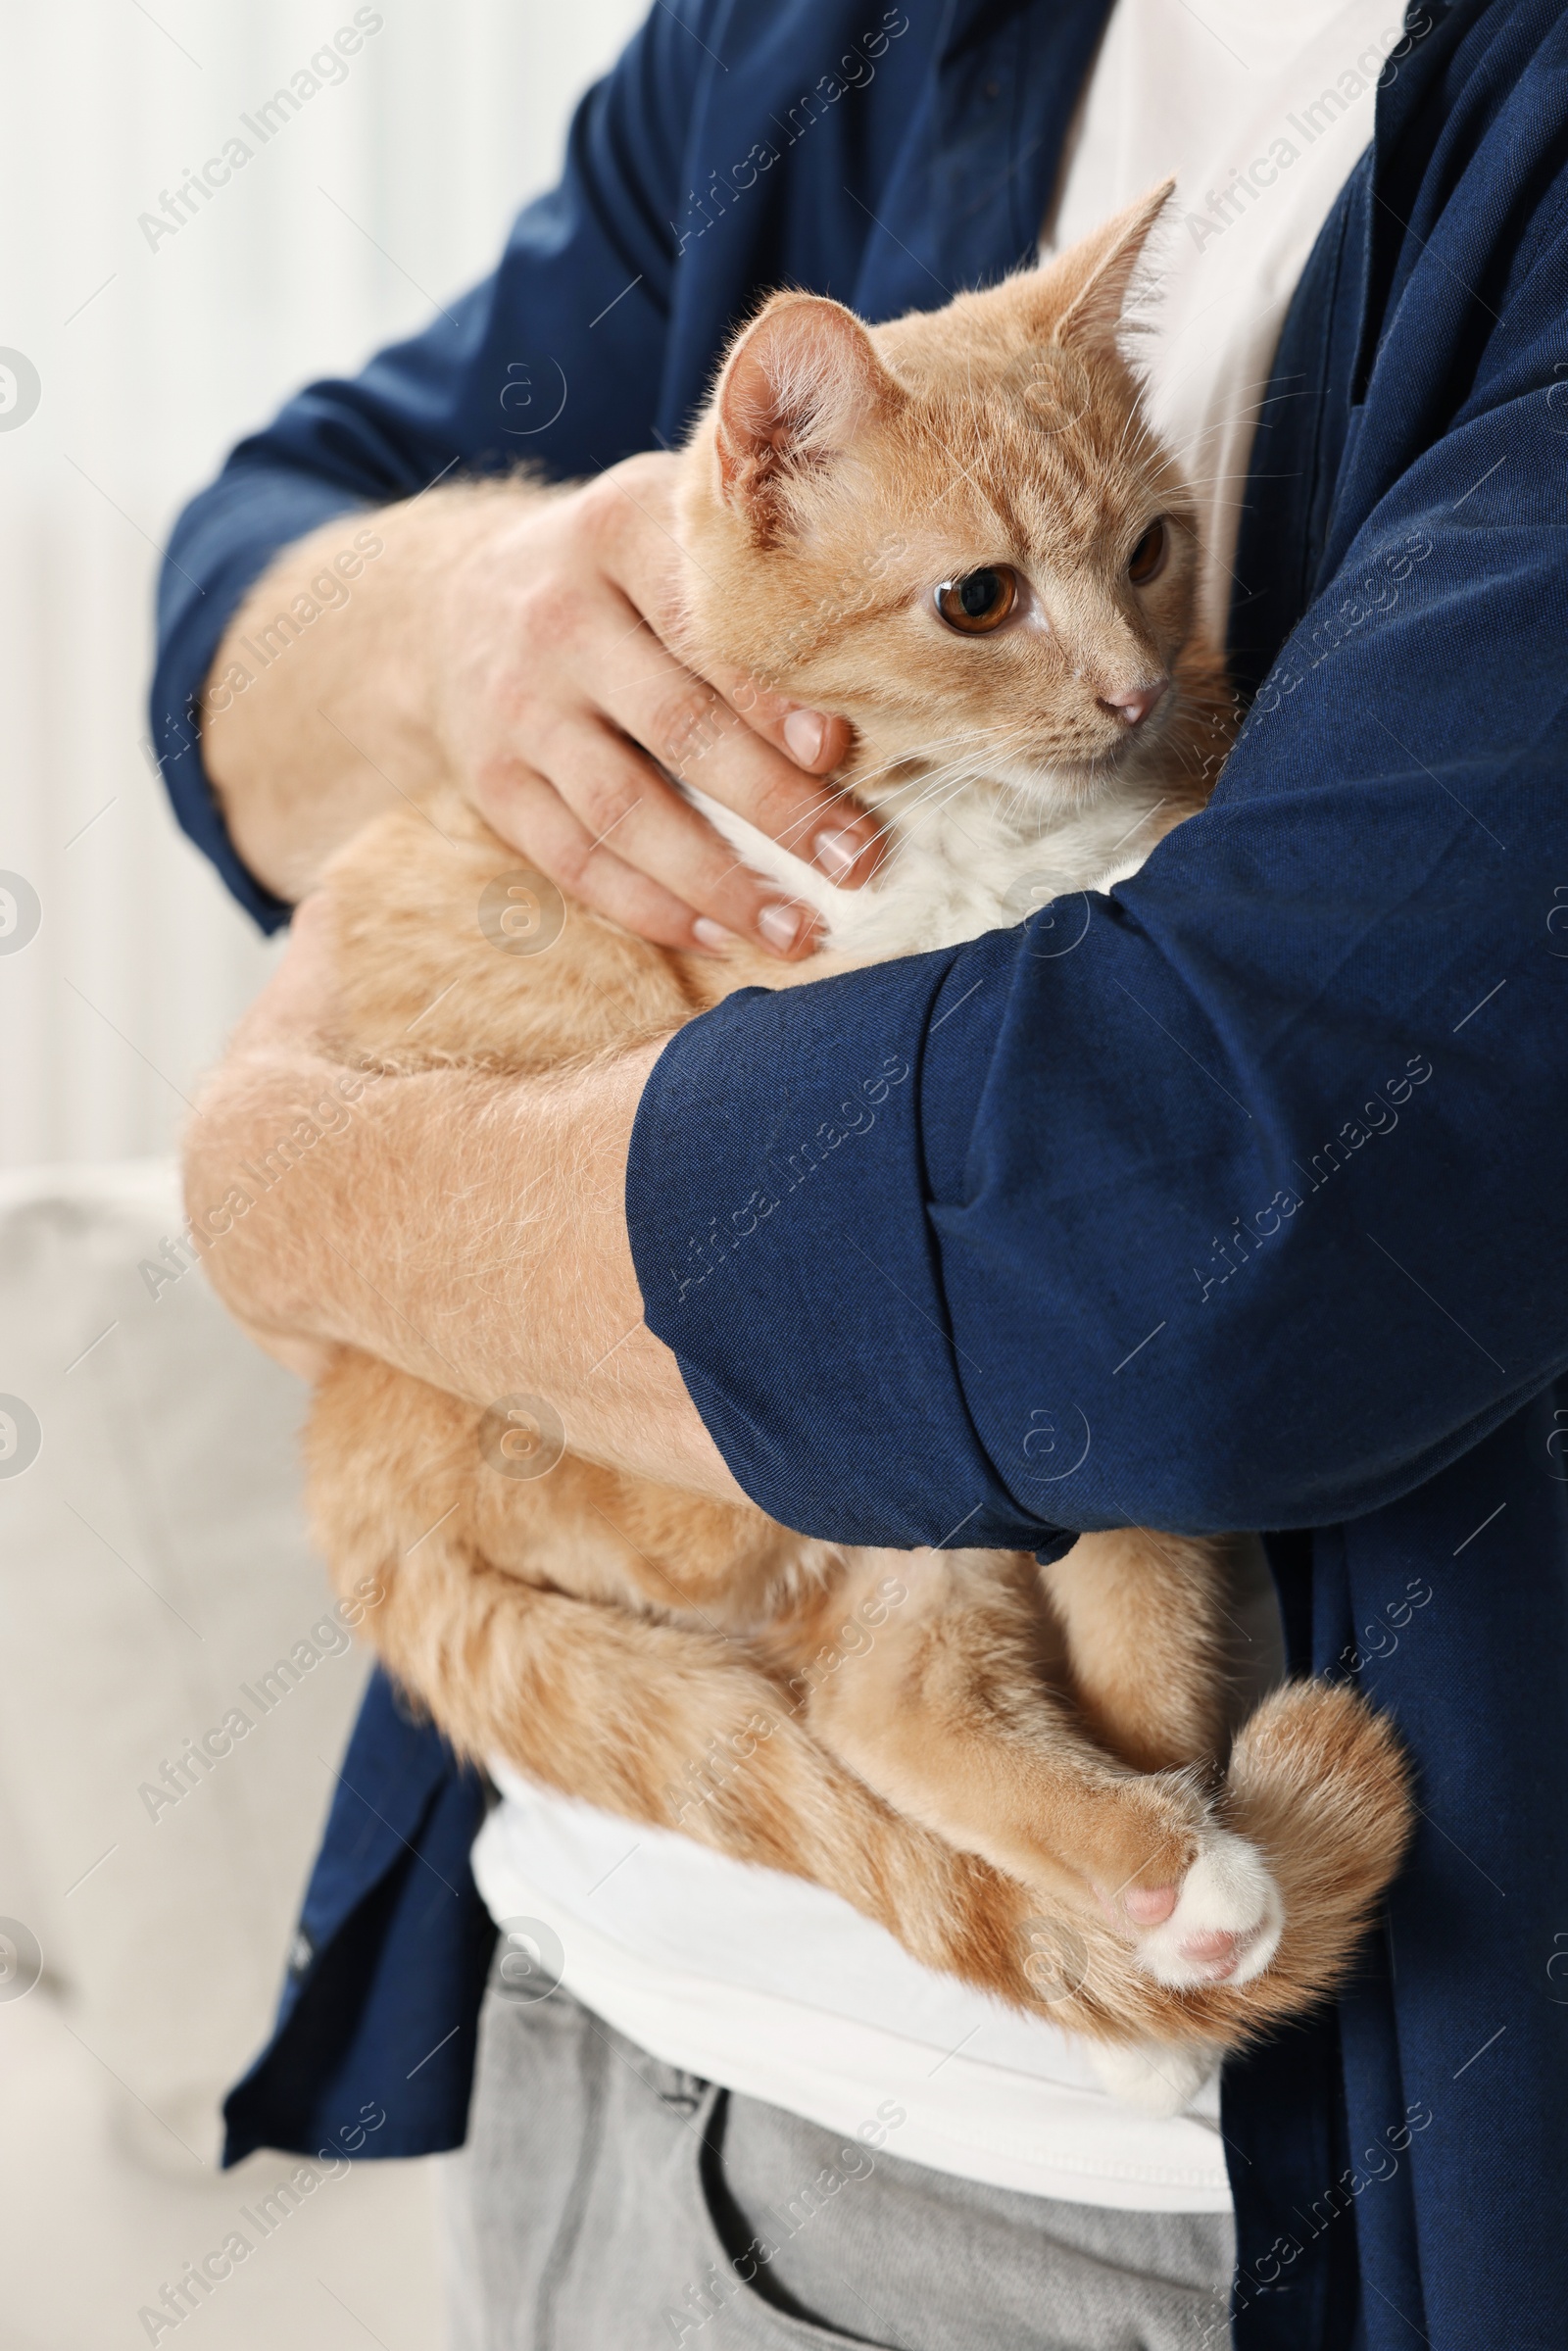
[972,857]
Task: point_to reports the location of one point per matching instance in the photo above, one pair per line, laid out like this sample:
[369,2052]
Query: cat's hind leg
[676,1726]
[960,1709]
[1149,1641]
[697,1730]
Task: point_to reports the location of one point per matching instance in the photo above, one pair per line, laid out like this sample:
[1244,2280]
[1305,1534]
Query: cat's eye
[979,600]
[1148,559]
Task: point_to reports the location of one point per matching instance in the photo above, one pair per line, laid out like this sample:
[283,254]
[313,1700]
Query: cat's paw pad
[1157,2080]
[1223,1925]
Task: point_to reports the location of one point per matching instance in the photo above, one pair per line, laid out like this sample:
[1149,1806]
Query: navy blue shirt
[1247,1211]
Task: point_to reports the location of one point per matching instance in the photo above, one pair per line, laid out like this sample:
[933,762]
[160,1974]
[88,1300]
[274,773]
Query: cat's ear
[1093,277]
[799,384]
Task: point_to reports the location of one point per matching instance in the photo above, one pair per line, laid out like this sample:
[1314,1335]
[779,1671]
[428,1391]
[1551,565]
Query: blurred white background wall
[385,194]
[152,1550]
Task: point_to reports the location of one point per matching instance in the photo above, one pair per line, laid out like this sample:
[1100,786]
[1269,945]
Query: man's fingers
[690,728]
[532,813]
[813,740]
[523,805]
[621,797]
[633,512]
[632,516]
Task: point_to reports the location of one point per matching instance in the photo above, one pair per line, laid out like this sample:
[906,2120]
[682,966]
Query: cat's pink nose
[1134,703]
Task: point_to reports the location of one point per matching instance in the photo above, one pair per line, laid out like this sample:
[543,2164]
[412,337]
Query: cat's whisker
[962,775]
[924,754]
[870,776]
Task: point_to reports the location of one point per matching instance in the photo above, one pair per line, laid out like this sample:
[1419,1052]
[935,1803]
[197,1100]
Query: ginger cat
[955,530]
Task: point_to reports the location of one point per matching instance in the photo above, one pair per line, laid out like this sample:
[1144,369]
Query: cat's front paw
[1221,1925]
[1155,2079]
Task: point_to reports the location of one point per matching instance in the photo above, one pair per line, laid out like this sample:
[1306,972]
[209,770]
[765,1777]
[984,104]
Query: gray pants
[607,2202]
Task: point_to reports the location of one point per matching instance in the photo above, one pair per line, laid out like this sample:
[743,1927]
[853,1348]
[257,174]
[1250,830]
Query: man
[1244,1213]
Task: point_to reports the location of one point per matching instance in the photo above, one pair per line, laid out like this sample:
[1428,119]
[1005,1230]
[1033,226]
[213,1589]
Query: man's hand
[468,1228]
[555,683]
[518,642]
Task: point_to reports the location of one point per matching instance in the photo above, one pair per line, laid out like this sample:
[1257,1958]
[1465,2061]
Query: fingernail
[804,732]
[711,935]
[836,852]
[781,927]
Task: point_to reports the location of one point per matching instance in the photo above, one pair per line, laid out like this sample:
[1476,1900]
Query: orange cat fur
[1005,1760]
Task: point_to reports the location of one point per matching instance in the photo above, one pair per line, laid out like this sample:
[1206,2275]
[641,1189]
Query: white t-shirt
[1260,109]
[741,1975]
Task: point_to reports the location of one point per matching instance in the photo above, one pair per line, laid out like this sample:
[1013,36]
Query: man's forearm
[468,1229]
[311,726]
